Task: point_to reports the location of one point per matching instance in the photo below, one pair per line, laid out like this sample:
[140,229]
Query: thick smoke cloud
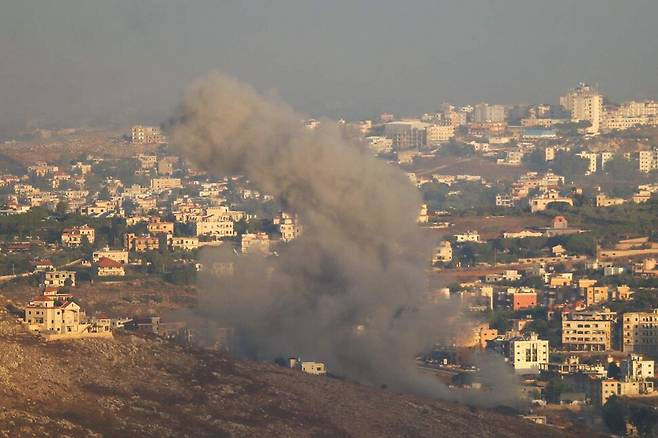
[351,291]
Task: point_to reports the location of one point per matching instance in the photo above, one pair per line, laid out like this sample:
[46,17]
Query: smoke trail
[351,290]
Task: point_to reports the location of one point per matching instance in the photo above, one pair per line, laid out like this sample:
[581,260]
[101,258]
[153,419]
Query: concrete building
[602,200]
[315,368]
[288,226]
[442,253]
[523,298]
[438,134]
[147,135]
[183,243]
[132,242]
[635,367]
[468,236]
[109,268]
[485,113]
[118,255]
[541,202]
[215,228]
[74,236]
[157,226]
[585,103]
[59,278]
[606,388]
[640,333]
[165,183]
[595,295]
[60,318]
[588,331]
[255,243]
[525,353]
[592,161]
[43,314]
[648,160]
[407,134]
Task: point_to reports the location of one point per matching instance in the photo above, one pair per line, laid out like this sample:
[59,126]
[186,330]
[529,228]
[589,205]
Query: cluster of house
[584,357]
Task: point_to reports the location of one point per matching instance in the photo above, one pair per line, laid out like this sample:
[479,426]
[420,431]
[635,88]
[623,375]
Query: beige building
[147,135]
[55,317]
[157,226]
[216,228]
[74,236]
[640,333]
[255,243]
[43,314]
[588,331]
[59,278]
[118,255]
[603,201]
[288,226]
[595,295]
[648,160]
[636,367]
[136,243]
[109,268]
[315,368]
[585,104]
[183,243]
[443,253]
[604,389]
[439,134]
[165,183]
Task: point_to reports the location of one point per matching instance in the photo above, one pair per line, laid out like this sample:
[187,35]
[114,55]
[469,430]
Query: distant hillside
[10,165]
[131,386]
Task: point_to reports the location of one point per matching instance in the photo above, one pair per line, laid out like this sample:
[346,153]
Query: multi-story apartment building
[485,113]
[407,134]
[648,160]
[136,243]
[525,353]
[439,133]
[288,226]
[640,333]
[636,367]
[147,135]
[588,331]
[585,104]
[595,295]
[157,226]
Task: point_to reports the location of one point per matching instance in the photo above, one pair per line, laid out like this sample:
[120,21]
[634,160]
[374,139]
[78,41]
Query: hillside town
[542,220]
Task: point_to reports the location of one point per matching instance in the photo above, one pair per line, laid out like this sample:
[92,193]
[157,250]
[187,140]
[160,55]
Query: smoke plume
[351,290]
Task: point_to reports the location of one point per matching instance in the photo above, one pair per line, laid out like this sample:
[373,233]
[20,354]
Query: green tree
[614,415]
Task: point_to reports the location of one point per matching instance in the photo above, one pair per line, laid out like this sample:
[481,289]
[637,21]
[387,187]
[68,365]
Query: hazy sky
[68,61]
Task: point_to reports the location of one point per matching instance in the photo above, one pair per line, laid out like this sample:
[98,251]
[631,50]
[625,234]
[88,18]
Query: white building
[529,353]
[635,367]
[585,104]
[468,236]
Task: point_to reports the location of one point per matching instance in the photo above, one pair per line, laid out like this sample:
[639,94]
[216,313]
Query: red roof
[105,262]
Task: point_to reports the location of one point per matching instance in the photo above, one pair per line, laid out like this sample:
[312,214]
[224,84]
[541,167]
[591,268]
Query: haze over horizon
[72,61]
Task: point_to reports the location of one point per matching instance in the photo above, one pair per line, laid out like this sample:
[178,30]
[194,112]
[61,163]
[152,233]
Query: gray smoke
[351,291]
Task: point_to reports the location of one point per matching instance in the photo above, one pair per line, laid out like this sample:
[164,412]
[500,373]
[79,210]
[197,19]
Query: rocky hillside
[132,386]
